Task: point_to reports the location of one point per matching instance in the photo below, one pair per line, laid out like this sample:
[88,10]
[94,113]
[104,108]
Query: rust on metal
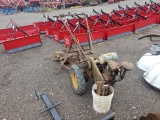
[150,36]
[103,73]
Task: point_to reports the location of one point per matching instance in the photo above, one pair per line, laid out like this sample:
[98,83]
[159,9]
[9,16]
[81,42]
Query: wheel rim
[74,80]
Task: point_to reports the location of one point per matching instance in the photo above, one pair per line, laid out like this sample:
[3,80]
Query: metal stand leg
[49,106]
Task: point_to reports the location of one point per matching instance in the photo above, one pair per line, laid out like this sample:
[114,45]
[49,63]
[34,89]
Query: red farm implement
[42,26]
[52,4]
[113,1]
[34,2]
[81,57]
[11,3]
[19,38]
[32,6]
[11,6]
[103,26]
[78,28]
[57,4]
[70,3]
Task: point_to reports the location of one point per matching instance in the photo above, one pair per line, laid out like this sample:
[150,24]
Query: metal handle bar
[90,19]
[140,7]
[104,13]
[95,11]
[116,13]
[151,7]
[128,8]
[120,7]
[150,36]
[127,15]
[21,30]
[71,23]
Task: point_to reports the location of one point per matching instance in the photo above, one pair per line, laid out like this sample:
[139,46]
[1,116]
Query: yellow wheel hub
[74,80]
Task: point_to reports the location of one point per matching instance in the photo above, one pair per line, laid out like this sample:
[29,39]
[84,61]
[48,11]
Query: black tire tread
[80,77]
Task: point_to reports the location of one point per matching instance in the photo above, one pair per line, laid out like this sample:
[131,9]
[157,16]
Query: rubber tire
[59,6]
[80,78]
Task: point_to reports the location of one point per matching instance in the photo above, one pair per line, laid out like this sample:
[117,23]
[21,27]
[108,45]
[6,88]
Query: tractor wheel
[77,79]
[59,6]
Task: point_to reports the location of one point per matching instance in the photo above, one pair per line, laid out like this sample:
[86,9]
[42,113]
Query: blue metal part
[109,116]
[42,32]
[24,47]
[51,36]
[7,11]
[32,9]
[62,41]
[119,35]
[146,27]
[1,11]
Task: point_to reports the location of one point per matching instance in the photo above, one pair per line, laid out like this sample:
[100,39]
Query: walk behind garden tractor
[104,70]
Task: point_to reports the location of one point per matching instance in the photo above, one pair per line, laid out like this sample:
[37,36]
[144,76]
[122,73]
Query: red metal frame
[41,26]
[22,43]
[59,36]
[118,31]
[8,32]
[97,36]
[19,38]
[11,4]
[145,23]
[139,19]
[126,25]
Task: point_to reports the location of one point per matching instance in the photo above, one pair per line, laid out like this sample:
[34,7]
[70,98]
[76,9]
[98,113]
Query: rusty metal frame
[105,73]
[78,53]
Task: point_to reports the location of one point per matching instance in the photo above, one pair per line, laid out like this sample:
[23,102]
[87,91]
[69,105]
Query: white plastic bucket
[102,104]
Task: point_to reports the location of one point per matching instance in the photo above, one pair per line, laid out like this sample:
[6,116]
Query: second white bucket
[102,104]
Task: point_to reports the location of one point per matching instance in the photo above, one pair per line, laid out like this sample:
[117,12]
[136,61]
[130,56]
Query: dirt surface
[24,72]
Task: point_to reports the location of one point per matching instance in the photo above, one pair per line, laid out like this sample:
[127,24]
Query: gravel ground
[24,72]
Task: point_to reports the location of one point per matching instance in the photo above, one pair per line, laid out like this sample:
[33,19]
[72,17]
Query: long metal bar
[48,103]
[50,107]
[90,19]
[150,36]
[120,7]
[84,27]
[95,11]
[116,13]
[128,8]
[64,15]
[71,24]
[81,52]
[152,8]
[104,13]
[22,31]
[140,7]
[89,34]
[127,15]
